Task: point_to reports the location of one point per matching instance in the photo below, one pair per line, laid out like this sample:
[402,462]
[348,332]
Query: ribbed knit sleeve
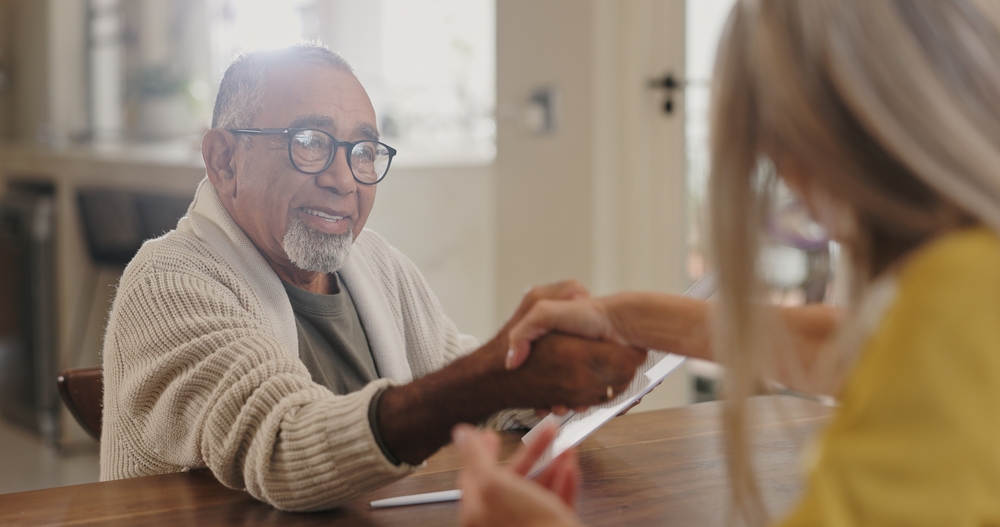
[195,378]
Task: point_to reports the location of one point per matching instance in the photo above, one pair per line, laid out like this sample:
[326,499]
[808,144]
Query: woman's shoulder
[918,413]
[967,259]
[945,317]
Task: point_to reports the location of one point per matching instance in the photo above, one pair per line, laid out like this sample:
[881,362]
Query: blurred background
[538,140]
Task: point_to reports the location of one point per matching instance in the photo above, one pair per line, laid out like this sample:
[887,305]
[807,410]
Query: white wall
[48,69]
[28,76]
[544,182]
[601,199]
[442,219]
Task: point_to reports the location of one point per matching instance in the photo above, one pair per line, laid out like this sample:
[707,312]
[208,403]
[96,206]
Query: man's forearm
[416,419]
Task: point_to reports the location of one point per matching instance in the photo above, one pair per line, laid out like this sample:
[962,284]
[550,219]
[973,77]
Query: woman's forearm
[662,322]
[810,328]
[682,325]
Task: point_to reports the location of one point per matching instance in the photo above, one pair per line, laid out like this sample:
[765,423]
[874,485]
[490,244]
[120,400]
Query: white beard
[312,250]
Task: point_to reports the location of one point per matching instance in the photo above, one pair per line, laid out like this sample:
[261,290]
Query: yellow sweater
[916,441]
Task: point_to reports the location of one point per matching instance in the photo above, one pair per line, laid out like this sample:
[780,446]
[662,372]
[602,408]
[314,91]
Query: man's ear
[218,149]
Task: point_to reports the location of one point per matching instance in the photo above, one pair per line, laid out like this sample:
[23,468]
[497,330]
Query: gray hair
[241,93]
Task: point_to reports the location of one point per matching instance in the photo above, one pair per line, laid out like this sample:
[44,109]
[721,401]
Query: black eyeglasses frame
[337,143]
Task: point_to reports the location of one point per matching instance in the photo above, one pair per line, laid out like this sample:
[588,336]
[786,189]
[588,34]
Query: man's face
[291,216]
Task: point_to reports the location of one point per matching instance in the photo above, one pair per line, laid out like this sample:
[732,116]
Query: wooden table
[657,468]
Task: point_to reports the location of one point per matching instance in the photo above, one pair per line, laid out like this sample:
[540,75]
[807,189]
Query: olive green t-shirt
[334,347]
[332,342]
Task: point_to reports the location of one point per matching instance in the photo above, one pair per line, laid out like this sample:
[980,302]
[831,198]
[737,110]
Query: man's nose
[338,176]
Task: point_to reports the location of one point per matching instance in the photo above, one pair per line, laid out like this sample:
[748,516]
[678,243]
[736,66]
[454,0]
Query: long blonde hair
[891,108]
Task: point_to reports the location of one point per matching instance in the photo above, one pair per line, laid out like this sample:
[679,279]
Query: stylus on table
[417,499]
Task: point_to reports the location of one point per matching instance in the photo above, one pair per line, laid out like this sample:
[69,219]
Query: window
[428,65]
[705,21]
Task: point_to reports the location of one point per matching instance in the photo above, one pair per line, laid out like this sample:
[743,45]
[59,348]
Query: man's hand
[564,370]
[414,419]
[583,316]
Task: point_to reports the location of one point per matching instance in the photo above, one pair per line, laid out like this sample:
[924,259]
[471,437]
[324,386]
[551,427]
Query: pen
[417,499]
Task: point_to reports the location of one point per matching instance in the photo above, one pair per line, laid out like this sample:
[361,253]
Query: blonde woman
[884,117]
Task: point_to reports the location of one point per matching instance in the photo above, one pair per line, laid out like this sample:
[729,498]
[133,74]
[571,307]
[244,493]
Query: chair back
[82,390]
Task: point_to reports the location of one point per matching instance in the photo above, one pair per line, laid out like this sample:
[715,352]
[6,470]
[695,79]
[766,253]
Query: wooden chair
[82,390]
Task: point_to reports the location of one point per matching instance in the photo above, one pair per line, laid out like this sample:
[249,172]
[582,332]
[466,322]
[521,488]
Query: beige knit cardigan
[201,366]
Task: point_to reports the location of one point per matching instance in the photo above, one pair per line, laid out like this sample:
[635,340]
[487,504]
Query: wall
[67,64]
[48,69]
[28,81]
[544,182]
[602,198]
[442,219]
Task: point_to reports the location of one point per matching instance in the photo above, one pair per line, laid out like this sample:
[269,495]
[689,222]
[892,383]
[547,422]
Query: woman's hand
[499,495]
[585,317]
[565,290]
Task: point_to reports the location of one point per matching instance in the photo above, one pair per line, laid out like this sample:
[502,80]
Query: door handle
[668,83]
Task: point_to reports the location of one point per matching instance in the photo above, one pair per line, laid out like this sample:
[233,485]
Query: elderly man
[273,340]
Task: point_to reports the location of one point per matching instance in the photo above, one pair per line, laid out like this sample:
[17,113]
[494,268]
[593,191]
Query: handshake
[561,349]
[568,349]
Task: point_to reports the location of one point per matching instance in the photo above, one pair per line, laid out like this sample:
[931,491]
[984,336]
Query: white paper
[573,428]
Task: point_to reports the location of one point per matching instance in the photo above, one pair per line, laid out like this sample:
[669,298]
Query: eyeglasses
[312,151]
